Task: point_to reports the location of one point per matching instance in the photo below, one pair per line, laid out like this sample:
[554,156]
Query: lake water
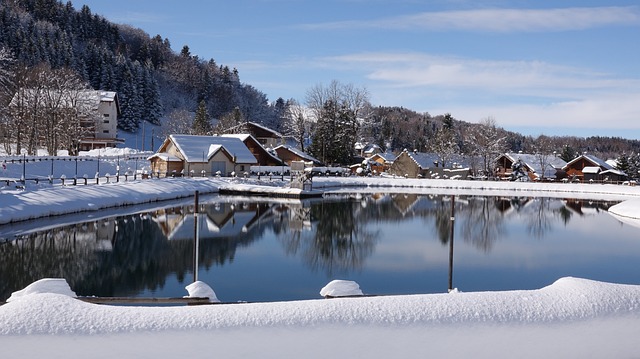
[269,250]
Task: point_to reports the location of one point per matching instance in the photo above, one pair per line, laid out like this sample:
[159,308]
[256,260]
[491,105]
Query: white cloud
[516,93]
[499,20]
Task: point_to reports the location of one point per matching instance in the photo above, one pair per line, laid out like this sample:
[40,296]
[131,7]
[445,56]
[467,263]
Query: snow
[46,285]
[341,288]
[571,318]
[200,289]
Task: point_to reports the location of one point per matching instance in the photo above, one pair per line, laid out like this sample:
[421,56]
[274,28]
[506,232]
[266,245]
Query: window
[105,121]
[105,115]
[105,131]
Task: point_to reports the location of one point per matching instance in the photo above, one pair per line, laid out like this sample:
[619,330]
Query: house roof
[165,157]
[593,160]
[533,163]
[298,153]
[429,160]
[274,133]
[245,136]
[194,148]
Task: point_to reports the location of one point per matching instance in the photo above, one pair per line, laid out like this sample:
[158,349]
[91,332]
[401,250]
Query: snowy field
[571,318]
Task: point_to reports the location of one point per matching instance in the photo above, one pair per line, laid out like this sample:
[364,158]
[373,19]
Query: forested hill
[154,82]
[151,80]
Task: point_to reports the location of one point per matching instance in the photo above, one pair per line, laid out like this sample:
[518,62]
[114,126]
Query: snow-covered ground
[571,318]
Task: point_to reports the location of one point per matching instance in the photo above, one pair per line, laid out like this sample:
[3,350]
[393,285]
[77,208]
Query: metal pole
[196,240]
[24,168]
[452,220]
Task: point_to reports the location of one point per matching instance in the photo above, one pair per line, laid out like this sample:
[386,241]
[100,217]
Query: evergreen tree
[201,122]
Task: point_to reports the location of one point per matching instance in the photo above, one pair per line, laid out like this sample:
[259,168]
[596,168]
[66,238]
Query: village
[255,150]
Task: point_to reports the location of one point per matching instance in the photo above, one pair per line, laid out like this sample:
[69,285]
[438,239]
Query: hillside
[162,87]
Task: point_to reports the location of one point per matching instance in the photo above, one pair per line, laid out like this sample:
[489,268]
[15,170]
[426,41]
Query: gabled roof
[298,153]
[591,159]
[197,148]
[247,137]
[274,133]
[429,160]
[533,163]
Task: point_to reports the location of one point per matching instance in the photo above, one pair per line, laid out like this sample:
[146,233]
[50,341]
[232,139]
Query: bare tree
[336,109]
[296,122]
[543,151]
[487,142]
[178,122]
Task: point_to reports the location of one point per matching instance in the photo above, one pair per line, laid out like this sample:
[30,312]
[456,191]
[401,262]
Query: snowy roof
[299,153]
[194,148]
[591,169]
[593,159]
[275,133]
[245,136]
[429,160]
[533,162]
[165,157]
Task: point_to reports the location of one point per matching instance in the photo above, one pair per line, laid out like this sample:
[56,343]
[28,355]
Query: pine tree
[201,122]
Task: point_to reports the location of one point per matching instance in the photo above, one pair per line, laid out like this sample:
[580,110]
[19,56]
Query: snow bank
[486,188]
[199,289]
[627,212]
[568,299]
[51,201]
[46,285]
[341,288]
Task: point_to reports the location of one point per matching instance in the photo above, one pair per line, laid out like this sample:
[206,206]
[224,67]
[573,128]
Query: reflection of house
[289,154]
[425,165]
[195,154]
[264,157]
[221,220]
[530,165]
[591,168]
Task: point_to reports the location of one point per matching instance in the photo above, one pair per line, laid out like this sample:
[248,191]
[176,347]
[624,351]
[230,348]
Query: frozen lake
[255,249]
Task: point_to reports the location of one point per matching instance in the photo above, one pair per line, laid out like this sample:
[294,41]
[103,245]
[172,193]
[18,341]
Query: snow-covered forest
[46,43]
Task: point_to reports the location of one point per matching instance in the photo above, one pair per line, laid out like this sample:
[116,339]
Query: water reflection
[335,236]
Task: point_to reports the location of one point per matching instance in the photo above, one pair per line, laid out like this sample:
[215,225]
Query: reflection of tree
[482,221]
[539,217]
[338,240]
[443,219]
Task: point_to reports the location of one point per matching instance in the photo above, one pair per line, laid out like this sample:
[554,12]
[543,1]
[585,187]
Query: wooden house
[191,155]
[530,166]
[588,168]
[289,154]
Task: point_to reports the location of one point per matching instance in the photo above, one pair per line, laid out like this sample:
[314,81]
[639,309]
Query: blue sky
[536,67]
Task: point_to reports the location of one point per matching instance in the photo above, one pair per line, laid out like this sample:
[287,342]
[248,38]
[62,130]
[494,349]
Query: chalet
[426,165]
[289,154]
[264,157]
[375,164]
[587,168]
[195,155]
[530,166]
